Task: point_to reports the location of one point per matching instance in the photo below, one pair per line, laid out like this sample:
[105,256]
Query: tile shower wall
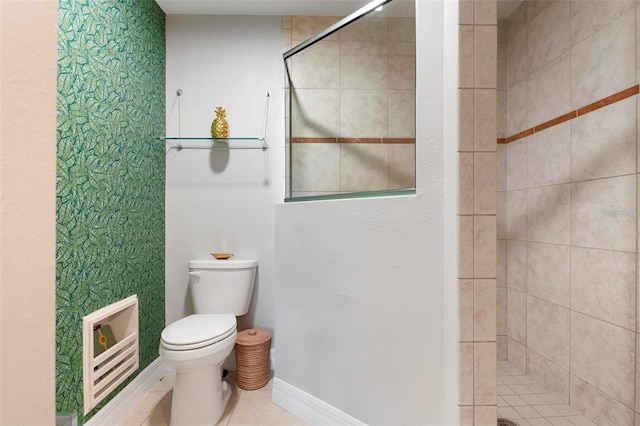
[359,83]
[567,225]
[477,295]
[110,176]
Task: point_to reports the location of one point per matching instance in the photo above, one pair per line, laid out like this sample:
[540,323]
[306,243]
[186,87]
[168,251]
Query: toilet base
[199,397]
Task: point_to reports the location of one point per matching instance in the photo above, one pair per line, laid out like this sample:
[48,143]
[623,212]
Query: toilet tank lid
[223,264]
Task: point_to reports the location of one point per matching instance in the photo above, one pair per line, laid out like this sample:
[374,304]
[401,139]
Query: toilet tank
[222,286]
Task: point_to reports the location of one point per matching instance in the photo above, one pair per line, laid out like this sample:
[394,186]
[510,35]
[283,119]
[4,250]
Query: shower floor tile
[527,403]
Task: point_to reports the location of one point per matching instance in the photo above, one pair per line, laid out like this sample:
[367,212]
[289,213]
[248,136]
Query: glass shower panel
[351,105]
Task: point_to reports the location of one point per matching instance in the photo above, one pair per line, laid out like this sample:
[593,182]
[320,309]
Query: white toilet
[196,346]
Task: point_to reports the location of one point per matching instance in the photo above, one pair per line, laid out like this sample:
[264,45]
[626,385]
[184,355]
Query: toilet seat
[197,331]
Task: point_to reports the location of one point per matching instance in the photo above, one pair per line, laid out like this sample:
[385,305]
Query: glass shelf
[208,143]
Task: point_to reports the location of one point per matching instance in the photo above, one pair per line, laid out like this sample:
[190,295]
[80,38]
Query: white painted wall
[362,284]
[27,212]
[229,61]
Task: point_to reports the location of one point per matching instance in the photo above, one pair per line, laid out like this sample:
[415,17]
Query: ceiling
[261,7]
[285,7]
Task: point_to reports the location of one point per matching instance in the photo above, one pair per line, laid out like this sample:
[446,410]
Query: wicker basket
[252,358]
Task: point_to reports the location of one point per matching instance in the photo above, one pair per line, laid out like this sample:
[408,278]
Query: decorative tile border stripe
[631,91]
[355,140]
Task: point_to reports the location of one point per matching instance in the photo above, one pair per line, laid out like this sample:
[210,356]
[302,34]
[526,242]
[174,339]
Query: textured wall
[27,213]
[110,174]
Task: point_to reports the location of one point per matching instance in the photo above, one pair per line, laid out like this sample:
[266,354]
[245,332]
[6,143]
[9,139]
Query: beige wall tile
[363,113]
[517,265]
[368,28]
[517,21]
[597,406]
[501,66]
[549,91]
[549,156]
[465,310]
[549,214]
[535,7]
[364,71]
[402,70]
[486,12]
[548,35]
[517,316]
[317,67]
[465,373]
[316,167]
[486,51]
[465,246]
[604,356]
[286,22]
[603,213]
[501,311]
[588,17]
[517,215]
[502,30]
[466,12]
[485,415]
[501,262]
[484,246]
[402,114]
[517,108]
[603,285]
[548,330]
[465,55]
[517,353]
[501,348]
[549,272]
[484,183]
[484,122]
[484,310]
[517,165]
[402,166]
[637,402]
[501,215]
[465,119]
[484,372]
[363,167]
[315,113]
[501,167]
[402,29]
[501,117]
[607,55]
[516,58]
[305,27]
[465,183]
[603,142]
[548,374]
[465,414]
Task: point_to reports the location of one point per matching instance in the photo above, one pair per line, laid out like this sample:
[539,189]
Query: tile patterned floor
[245,408]
[524,401]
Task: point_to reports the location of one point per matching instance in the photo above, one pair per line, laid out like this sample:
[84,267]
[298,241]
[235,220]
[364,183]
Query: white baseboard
[307,407]
[117,409]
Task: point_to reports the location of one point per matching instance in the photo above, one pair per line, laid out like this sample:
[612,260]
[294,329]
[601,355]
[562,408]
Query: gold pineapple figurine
[220,127]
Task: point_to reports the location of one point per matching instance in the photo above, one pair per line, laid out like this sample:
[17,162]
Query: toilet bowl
[196,346]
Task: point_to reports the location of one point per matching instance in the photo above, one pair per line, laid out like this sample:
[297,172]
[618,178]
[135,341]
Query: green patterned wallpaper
[110,175]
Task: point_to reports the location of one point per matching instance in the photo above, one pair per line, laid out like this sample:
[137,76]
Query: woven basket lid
[252,336]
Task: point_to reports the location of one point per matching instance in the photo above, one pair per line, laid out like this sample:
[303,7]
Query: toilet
[197,345]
